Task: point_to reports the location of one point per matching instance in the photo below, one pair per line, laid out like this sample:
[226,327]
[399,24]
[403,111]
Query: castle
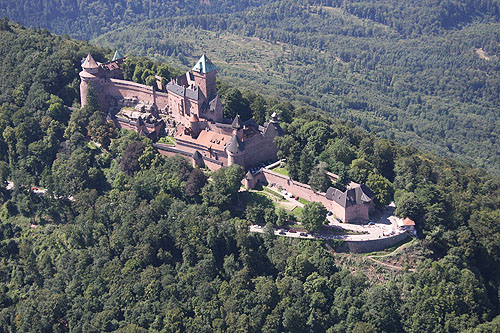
[190,111]
[188,108]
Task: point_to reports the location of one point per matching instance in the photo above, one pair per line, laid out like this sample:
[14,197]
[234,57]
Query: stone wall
[350,214]
[161,100]
[167,150]
[127,89]
[374,244]
[257,150]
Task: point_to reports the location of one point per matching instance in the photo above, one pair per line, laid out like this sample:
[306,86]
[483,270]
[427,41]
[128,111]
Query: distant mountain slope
[85,19]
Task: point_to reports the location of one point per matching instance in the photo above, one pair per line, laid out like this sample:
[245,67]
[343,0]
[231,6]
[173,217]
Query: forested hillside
[85,19]
[424,73]
[126,240]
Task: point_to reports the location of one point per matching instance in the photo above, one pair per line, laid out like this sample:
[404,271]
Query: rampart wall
[127,89]
[258,149]
[171,151]
[365,246]
[303,191]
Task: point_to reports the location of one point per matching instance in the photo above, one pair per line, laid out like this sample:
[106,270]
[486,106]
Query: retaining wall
[374,244]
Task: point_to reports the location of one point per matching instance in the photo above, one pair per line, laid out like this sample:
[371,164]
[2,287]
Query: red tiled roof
[408,222]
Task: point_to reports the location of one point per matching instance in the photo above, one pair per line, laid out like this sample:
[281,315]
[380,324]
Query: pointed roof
[235,145]
[89,62]
[117,55]
[249,175]
[204,65]
[237,123]
[139,122]
[197,156]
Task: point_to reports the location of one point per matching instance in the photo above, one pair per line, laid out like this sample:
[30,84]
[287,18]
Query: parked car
[292,230]
[303,234]
[329,213]
[282,232]
[371,223]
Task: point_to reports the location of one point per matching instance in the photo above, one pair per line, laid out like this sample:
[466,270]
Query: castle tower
[87,76]
[194,123]
[234,151]
[205,74]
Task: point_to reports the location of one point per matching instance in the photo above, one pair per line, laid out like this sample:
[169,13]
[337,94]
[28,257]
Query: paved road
[385,226]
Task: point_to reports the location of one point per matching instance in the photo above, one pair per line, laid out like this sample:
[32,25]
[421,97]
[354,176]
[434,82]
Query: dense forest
[423,73]
[126,240]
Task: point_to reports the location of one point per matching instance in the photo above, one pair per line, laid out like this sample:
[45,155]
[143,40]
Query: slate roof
[235,145]
[354,196]
[214,102]
[117,56]
[204,65]
[276,127]
[194,94]
[89,62]
[237,123]
[197,156]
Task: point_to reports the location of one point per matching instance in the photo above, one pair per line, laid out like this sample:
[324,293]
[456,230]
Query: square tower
[205,75]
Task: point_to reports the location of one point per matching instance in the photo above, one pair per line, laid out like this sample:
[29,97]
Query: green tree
[319,180]
[223,189]
[381,187]
[313,216]
[360,169]
[234,104]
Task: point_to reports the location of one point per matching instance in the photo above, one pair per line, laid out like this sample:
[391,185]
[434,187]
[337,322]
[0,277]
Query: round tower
[237,127]
[87,76]
[234,151]
[194,124]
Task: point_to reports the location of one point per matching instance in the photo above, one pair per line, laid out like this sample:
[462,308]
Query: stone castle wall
[372,245]
[126,89]
[166,150]
[258,149]
[355,213]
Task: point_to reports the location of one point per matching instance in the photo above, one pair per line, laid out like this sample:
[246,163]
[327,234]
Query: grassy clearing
[274,194]
[167,140]
[297,212]
[303,201]
[281,170]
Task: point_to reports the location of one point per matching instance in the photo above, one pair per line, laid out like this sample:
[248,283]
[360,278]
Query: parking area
[383,225]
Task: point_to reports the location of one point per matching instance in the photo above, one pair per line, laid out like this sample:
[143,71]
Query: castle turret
[205,74]
[237,126]
[194,123]
[117,56]
[234,150]
[87,76]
